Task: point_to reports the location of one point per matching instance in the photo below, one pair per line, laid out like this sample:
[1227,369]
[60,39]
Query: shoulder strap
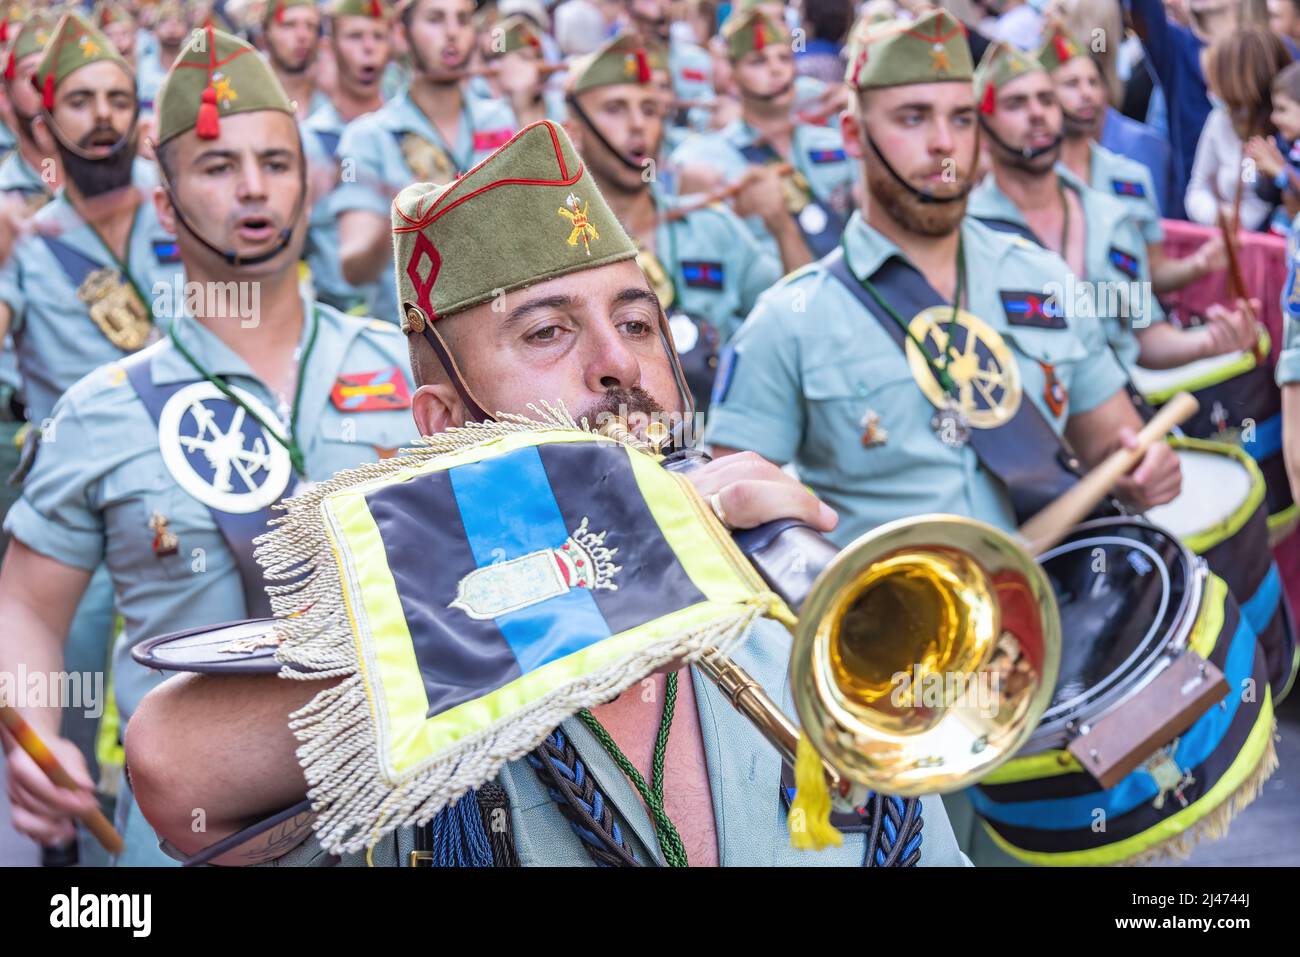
[238,531]
[76,264]
[1025,454]
[822,227]
[1010,226]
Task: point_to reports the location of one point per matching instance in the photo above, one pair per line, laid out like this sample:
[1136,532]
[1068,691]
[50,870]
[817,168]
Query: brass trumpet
[934,606]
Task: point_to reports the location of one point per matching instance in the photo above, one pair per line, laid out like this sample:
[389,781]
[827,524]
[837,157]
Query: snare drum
[1133,602]
[1241,404]
[1220,516]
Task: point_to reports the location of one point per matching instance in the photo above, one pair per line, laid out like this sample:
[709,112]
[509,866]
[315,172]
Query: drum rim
[1057,732]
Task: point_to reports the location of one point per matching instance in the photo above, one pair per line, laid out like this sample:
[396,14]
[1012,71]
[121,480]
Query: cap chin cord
[76,150]
[230,257]
[1027,153]
[922,196]
[582,114]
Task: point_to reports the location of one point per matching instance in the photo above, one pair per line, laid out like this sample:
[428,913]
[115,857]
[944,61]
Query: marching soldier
[581,326]
[291,33]
[704,265]
[167,464]
[360,33]
[430,131]
[1094,233]
[1081,93]
[690,68]
[171,27]
[900,374]
[515,55]
[819,188]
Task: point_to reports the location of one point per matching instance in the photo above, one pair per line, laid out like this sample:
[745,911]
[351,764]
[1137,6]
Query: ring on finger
[715,503]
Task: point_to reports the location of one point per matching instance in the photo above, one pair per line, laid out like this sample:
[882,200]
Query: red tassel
[375,11]
[279,12]
[11,68]
[642,66]
[208,124]
[47,91]
[4,30]
[760,38]
[989,101]
[1062,48]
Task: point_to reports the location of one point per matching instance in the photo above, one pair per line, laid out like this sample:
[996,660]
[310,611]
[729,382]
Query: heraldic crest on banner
[476,591]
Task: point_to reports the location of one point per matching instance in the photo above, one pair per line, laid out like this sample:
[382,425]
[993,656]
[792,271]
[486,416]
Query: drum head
[1215,487]
[236,648]
[1127,593]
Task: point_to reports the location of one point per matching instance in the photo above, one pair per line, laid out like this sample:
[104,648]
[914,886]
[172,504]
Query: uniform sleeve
[11,292]
[760,270]
[758,399]
[1099,375]
[361,171]
[56,514]
[1288,360]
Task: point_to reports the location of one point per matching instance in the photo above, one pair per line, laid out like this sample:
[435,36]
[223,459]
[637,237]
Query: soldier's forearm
[208,756]
[790,242]
[364,246]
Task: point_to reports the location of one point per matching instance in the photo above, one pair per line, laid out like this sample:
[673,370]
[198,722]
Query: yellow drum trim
[1283,523]
[1238,774]
[1049,764]
[1221,374]
[1202,542]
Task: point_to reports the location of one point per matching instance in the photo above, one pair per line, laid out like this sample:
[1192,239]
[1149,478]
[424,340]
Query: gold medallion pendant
[657,276]
[983,370]
[428,162]
[116,308]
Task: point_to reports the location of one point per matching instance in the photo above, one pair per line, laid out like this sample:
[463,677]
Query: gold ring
[715,503]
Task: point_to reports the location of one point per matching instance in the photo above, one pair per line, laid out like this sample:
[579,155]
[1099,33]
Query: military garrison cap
[752,30]
[930,49]
[517,32]
[374,9]
[1000,64]
[31,36]
[528,213]
[624,59]
[108,13]
[74,44]
[1058,48]
[275,9]
[215,75]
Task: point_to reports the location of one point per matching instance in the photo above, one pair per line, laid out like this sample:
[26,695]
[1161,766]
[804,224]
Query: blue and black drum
[1134,599]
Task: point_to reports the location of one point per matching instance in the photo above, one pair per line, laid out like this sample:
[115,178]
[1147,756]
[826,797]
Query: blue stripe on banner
[1196,744]
[1268,439]
[1260,608]
[508,509]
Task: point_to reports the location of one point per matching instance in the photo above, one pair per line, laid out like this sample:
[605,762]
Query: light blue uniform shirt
[1117,291]
[816,151]
[1117,175]
[810,362]
[371,145]
[100,475]
[17,176]
[55,339]
[718,268]
[321,135]
[1288,360]
[744,784]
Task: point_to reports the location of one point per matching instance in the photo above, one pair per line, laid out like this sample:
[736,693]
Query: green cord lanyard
[670,842]
[291,443]
[939,367]
[124,268]
[1065,219]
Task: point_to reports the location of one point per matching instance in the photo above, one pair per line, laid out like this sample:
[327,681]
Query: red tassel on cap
[1062,48]
[375,11]
[642,66]
[279,12]
[208,124]
[760,36]
[4,30]
[47,91]
[11,68]
[989,101]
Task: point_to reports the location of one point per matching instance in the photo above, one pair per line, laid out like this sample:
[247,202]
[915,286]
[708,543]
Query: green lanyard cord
[1065,219]
[939,368]
[670,842]
[291,443]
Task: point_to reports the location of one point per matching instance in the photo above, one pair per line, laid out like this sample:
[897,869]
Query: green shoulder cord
[291,443]
[670,842]
[1065,219]
[939,366]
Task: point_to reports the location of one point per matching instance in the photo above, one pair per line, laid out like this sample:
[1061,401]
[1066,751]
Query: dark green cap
[752,30]
[930,49]
[1000,64]
[528,213]
[31,36]
[627,58]
[1058,49]
[75,44]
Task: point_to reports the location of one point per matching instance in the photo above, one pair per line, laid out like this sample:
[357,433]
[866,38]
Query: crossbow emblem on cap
[218,453]
[582,226]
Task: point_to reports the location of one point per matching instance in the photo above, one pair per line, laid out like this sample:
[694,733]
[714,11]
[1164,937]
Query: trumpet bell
[925,654]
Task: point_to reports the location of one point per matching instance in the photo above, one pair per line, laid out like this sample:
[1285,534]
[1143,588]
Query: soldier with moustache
[168,463]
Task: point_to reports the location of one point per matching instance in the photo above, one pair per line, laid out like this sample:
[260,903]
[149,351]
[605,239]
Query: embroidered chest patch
[701,274]
[1027,308]
[380,391]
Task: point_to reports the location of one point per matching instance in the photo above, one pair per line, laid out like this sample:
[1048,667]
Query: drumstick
[30,742]
[718,195]
[1054,522]
[1237,279]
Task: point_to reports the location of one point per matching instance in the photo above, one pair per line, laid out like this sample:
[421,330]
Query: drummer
[1030,192]
[585,328]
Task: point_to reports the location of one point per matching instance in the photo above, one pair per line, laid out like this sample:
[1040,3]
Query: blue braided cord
[459,839]
[578,775]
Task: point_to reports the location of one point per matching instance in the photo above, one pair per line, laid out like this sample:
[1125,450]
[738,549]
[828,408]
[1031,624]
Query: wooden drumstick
[1054,522]
[31,742]
[1236,278]
[718,195]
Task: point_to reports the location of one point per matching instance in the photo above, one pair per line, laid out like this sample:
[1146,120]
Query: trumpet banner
[474,592]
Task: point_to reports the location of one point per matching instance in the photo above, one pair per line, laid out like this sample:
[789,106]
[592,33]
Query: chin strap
[1026,152]
[919,194]
[230,256]
[473,408]
[76,150]
[572,102]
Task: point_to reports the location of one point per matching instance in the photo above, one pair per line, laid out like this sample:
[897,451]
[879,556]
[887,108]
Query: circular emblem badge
[685,333]
[813,220]
[981,365]
[218,453]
